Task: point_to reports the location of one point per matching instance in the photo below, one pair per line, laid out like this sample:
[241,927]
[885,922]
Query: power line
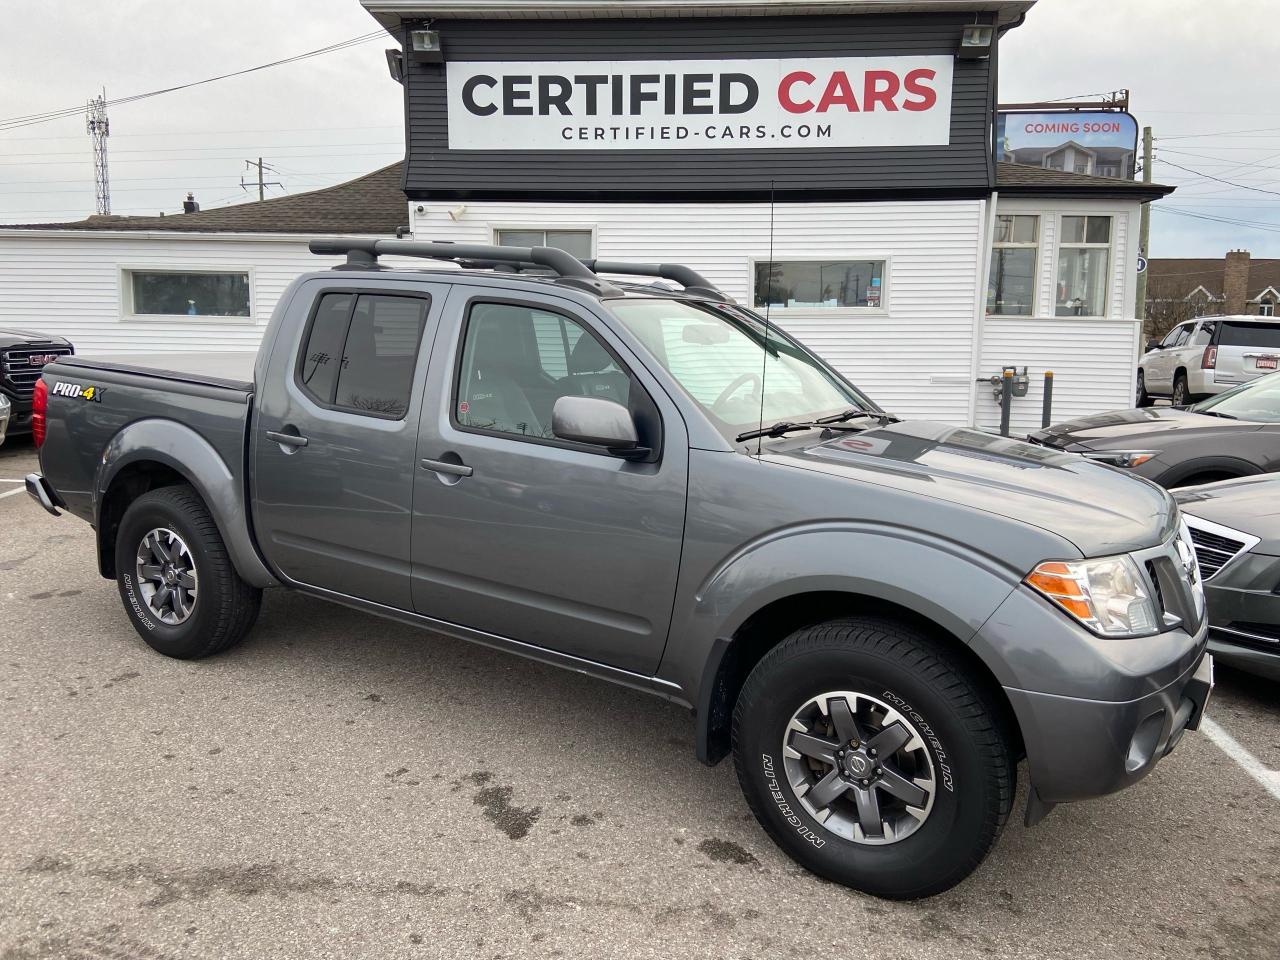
[1248,224]
[12,123]
[1208,176]
[1227,133]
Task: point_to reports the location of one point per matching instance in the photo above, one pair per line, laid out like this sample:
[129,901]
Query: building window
[194,293]
[819,284]
[1084,266]
[580,243]
[1011,288]
[1266,309]
[361,352]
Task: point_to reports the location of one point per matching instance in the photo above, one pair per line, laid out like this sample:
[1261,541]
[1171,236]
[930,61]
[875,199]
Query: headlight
[1121,458]
[1108,595]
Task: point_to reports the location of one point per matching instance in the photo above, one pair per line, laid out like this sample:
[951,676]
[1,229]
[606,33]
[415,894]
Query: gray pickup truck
[652,485]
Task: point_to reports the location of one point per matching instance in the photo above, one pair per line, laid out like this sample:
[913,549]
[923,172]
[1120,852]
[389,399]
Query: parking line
[1269,779]
[7,480]
[11,493]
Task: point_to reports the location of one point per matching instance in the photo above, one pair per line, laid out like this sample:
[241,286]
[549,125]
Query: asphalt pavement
[344,786]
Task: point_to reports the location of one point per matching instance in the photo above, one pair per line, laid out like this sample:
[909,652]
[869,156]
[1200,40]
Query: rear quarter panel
[197,429]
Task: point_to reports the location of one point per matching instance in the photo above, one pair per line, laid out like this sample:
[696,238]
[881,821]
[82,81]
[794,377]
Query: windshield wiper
[1215,413]
[884,418]
[837,422]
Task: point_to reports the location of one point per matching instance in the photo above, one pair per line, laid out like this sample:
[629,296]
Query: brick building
[1179,289]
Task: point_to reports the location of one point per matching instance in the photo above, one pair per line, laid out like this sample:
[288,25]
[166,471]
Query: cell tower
[99,128]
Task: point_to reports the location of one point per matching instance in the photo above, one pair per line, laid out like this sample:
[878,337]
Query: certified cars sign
[700,104]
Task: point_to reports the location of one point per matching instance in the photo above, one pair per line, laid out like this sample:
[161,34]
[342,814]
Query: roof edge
[390,13]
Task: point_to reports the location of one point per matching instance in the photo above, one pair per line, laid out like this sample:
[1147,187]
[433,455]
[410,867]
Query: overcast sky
[1202,74]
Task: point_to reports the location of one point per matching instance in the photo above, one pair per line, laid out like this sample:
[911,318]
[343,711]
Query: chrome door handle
[444,466]
[288,439]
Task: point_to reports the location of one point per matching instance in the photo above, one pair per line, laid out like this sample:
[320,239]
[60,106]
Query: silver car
[5,409]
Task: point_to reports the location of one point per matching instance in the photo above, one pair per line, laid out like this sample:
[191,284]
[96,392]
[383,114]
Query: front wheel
[179,587]
[871,754]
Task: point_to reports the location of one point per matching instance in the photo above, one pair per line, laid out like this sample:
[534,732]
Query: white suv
[1202,357]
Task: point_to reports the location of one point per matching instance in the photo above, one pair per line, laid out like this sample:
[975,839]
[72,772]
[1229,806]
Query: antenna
[99,128]
[768,303]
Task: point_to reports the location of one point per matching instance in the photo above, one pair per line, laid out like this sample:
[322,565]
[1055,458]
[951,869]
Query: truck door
[520,534]
[334,436]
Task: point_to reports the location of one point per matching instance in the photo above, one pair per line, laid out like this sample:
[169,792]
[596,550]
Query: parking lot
[341,785]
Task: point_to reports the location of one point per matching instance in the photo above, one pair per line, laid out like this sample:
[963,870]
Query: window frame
[299,359]
[1035,266]
[455,381]
[125,272]
[497,228]
[1063,244]
[885,293]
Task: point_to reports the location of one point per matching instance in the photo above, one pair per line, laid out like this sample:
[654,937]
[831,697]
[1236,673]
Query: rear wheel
[1181,396]
[871,754]
[1143,398]
[178,584]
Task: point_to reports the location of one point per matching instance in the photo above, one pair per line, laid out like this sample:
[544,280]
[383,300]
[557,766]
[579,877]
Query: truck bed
[231,370]
[174,417]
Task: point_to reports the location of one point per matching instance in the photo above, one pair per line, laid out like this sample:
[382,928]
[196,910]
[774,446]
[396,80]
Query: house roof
[375,204]
[1177,278]
[1021,180]
[372,204]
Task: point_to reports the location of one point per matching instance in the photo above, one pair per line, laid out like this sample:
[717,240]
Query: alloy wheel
[166,576]
[859,767]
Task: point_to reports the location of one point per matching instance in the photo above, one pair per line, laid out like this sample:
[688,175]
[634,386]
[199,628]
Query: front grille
[1216,545]
[1255,636]
[16,370]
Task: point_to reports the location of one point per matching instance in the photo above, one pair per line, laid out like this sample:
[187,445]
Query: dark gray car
[1235,434]
[1235,525]
[877,618]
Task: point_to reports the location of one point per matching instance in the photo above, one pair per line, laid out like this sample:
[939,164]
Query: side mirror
[1153,345]
[598,422]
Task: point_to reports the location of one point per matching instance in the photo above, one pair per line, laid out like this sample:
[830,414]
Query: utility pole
[99,128]
[1144,235]
[262,184]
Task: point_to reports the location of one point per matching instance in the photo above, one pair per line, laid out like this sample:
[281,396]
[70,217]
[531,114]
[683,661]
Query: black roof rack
[362,254]
[691,280]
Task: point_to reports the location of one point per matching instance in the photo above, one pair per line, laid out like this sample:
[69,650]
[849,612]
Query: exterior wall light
[975,42]
[424,46]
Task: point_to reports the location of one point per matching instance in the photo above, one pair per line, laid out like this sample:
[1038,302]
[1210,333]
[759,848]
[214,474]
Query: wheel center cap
[169,575]
[857,765]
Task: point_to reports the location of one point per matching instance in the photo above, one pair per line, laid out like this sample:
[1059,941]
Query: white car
[5,409]
[1202,357]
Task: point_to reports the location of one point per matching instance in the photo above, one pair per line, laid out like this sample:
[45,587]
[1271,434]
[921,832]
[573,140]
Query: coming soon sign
[700,104]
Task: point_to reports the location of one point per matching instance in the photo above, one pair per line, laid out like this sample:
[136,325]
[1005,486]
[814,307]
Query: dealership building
[830,163]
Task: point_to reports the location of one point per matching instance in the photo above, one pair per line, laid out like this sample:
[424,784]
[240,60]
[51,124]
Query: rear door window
[361,350]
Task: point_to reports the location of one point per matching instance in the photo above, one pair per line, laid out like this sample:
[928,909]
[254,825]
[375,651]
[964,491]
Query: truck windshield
[720,357]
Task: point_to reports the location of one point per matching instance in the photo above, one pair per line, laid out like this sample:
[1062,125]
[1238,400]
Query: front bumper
[1244,614]
[1079,748]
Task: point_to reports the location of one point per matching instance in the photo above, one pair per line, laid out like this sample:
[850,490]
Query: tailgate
[1246,349]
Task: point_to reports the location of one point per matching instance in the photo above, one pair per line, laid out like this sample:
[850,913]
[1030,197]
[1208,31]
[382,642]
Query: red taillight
[1210,358]
[39,404]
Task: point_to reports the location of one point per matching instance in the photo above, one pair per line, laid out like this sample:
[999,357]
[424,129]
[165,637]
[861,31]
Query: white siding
[1094,361]
[913,357]
[68,284]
